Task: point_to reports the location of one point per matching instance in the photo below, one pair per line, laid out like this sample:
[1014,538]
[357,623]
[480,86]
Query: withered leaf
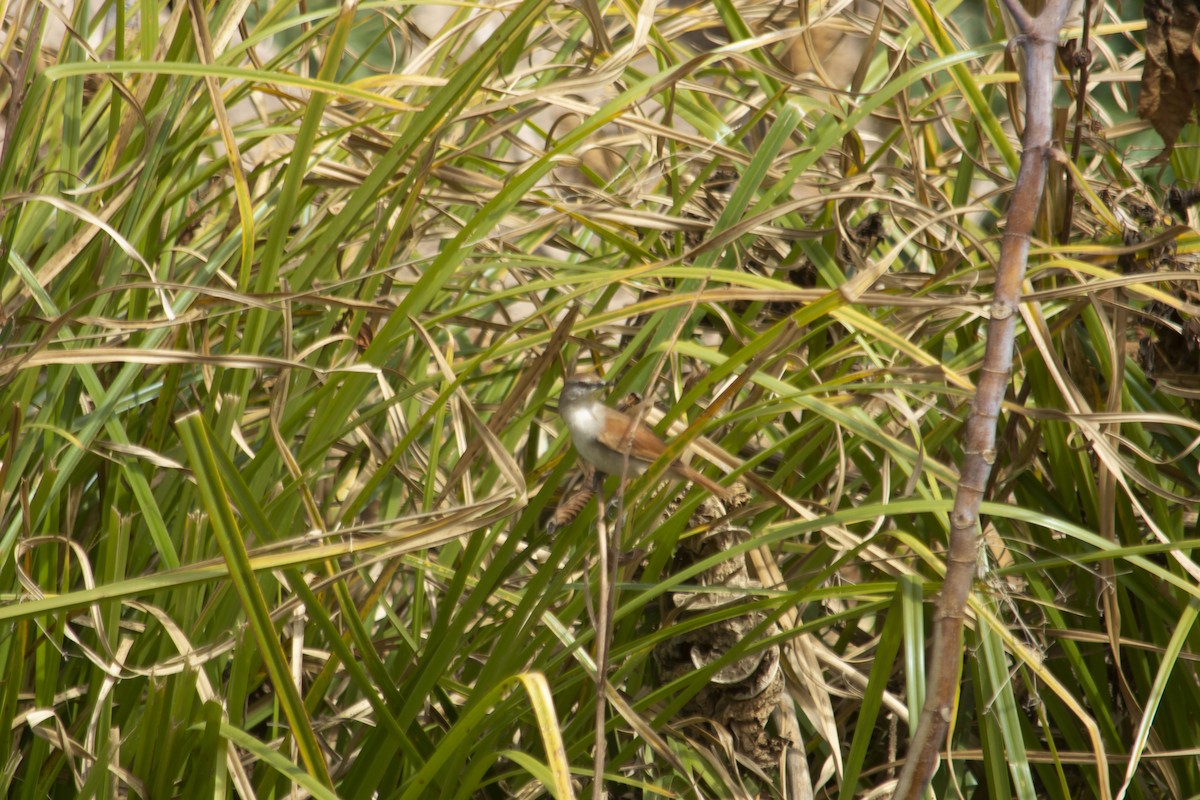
[1171,75]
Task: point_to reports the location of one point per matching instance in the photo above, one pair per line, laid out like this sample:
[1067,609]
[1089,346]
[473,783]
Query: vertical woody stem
[1038,37]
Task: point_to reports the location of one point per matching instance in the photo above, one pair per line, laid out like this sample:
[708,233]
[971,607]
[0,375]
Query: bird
[602,436]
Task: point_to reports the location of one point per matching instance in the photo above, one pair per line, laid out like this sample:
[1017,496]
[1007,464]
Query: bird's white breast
[585,424]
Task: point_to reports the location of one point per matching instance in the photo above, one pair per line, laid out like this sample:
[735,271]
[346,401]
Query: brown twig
[1081,58]
[609,545]
[1038,36]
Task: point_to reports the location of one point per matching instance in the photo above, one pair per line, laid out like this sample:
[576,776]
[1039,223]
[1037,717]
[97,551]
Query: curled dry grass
[280,445]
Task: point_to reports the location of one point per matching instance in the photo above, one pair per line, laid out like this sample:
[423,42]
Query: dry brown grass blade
[502,458]
[519,392]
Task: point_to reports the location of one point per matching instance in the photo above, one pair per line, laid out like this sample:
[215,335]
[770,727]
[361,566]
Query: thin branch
[1025,23]
[609,539]
[1081,58]
[1038,36]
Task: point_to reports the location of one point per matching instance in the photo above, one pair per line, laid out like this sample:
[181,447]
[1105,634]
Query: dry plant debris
[1171,76]
[742,694]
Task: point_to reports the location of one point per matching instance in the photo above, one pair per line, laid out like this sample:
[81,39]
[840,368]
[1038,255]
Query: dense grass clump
[288,294]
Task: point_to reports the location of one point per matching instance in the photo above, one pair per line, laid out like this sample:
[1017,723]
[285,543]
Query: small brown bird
[602,436]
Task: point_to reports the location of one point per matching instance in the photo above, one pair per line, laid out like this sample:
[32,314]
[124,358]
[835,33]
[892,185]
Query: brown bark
[1038,37]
